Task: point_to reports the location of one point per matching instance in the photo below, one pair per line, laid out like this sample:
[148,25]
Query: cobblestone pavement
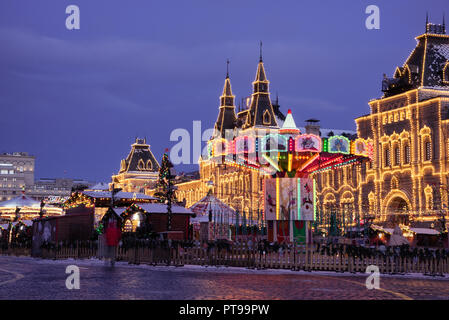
[28,278]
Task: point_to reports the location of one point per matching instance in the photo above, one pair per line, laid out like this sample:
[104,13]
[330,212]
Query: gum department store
[407,179]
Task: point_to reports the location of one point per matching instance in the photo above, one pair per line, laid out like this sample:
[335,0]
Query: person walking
[113,236]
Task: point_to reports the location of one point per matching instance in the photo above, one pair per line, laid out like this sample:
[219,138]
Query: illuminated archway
[396,205]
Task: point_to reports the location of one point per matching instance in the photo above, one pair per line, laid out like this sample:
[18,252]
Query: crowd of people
[403,251]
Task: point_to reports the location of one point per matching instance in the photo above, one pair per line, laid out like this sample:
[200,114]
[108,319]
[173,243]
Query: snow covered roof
[119,210]
[162,208]
[118,195]
[424,231]
[100,186]
[325,131]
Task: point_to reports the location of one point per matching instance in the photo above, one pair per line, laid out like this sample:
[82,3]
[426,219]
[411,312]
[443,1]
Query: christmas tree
[164,187]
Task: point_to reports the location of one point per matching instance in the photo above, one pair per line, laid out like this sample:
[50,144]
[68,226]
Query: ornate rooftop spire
[226,116]
[261,112]
[227,99]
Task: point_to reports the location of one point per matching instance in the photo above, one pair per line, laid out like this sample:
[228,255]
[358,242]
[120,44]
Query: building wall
[16,172]
[240,188]
[135,182]
[409,173]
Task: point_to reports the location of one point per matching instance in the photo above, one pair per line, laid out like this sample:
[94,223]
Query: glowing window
[428,151]
[397,154]
[387,157]
[407,154]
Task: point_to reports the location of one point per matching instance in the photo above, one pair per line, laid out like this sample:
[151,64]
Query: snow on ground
[223,269]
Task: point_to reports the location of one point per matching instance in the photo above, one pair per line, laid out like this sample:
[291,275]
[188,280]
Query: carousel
[26,208]
[214,220]
[289,159]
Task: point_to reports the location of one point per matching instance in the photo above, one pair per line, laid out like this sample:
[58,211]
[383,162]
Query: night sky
[76,99]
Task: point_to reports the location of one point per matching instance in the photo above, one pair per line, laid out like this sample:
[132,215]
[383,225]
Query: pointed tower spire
[227,99]
[261,111]
[260,75]
[427,21]
[226,116]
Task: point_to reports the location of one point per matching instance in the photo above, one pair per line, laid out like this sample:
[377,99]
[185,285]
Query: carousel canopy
[220,211]
[20,201]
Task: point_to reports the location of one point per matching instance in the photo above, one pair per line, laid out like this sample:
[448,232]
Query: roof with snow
[161,208]
[118,195]
[426,66]
[100,186]
[425,231]
[325,131]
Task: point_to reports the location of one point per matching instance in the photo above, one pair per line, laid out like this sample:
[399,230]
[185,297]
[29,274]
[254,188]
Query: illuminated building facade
[16,173]
[409,128]
[238,185]
[139,170]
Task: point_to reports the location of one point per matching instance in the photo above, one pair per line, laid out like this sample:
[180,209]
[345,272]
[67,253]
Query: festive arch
[329,199]
[347,197]
[394,200]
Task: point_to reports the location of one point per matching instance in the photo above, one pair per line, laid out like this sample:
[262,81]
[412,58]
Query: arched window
[266,117]
[428,150]
[429,198]
[149,165]
[128,226]
[394,183]
[372,202]
[387,157]
[407,154]
[141,165]
[397,156]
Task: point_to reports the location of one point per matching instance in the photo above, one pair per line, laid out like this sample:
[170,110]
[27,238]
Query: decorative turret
[140,158]
[226,117]
[261,111]
[427,65]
